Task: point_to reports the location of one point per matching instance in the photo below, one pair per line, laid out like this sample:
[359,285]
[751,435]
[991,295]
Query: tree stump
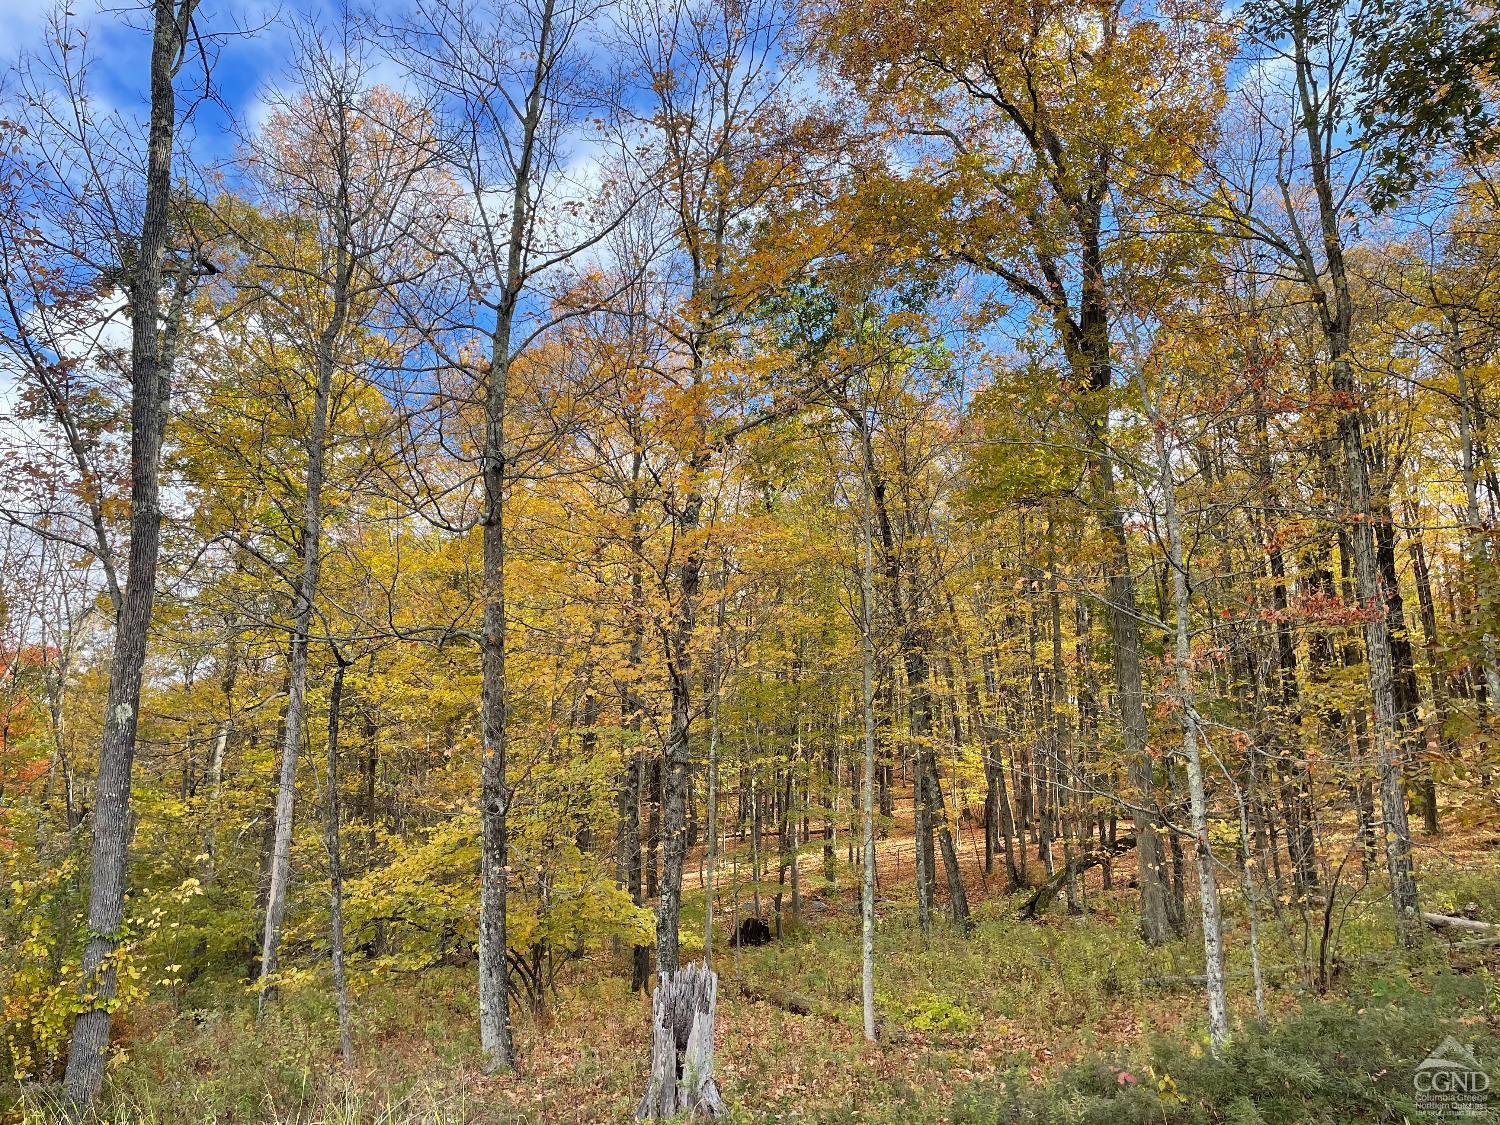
[682,1046]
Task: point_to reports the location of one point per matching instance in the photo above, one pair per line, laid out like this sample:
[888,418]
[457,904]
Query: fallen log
[1042,897]
[1473,943]
[1270,971]
[1266,972]
[786,1000]
[1453,922]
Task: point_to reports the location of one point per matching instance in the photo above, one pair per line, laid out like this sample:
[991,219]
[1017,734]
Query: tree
[1041,152]
[153,351]
[1303,125]
[354,207]
[728,147]
[508,87]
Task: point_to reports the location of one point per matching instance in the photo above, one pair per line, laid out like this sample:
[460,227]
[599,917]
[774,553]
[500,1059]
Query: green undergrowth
[1070,1020]
[1351,1061]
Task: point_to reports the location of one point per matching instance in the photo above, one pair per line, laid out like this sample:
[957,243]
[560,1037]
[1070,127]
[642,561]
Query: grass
[1017,1022]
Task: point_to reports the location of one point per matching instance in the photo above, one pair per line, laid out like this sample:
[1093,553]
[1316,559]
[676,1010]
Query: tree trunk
[996,798]
[675,756]
[1398,842]
[1090,355]
[1336,310]
[296,703]
[509,251]
[336,871]
[151,357]
[1293,773]
[1479,551]
[1208,889]
[711,856]
[494,788]
[1062,779]
[867,804]
[1439,695]
[929,799]
[1156,909]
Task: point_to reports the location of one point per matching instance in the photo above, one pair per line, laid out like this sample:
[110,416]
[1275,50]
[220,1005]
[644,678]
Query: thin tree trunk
[336,871]
[755,833]
[1398,844]
[296,703]
[867,803]
[1289,757]
[1208,890]
[1436,690]
[921,844]
[1061,752]
[1478,537]
[216,756]
[1125,632]
[1247,875]
[1337,312]
[495,794]
[997,799]
[711,857]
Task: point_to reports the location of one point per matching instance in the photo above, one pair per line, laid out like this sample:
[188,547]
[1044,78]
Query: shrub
[1328,1063]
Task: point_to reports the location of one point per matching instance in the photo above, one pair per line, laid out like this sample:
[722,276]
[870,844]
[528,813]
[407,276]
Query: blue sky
[251,40]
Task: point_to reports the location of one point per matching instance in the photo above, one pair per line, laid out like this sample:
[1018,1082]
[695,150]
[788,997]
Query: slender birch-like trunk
[1208,889]
[711,849]
[867,786]
[296,705]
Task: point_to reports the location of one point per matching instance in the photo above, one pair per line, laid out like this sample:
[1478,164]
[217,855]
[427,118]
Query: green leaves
[1426,81]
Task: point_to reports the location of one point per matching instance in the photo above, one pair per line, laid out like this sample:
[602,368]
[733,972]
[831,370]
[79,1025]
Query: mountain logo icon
[1450,1054]
[1451,1081]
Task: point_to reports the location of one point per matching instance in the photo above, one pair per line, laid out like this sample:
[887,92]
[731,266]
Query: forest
[762,560]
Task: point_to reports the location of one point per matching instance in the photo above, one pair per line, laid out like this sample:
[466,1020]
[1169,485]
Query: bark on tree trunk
[1428,611]
[675,756]
[1335,306]
[1208,889]
[1408,696]
[631,864]
[336,870]
[307,593]
[929,795]
[494,789]
[995,767]
[867,804]
[1089,349]
[1062,777]
[1398,843]
[711,856]
[151,357]
[682,1046]
[1292,769]
[1478,536]
[1156,908]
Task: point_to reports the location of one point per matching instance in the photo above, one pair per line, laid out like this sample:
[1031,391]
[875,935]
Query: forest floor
[1057,1020]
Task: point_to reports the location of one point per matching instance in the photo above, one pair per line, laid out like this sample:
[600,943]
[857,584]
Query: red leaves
[1321,609]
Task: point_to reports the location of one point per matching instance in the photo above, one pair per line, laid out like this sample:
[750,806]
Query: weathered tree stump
[682,1046]
[751,931]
